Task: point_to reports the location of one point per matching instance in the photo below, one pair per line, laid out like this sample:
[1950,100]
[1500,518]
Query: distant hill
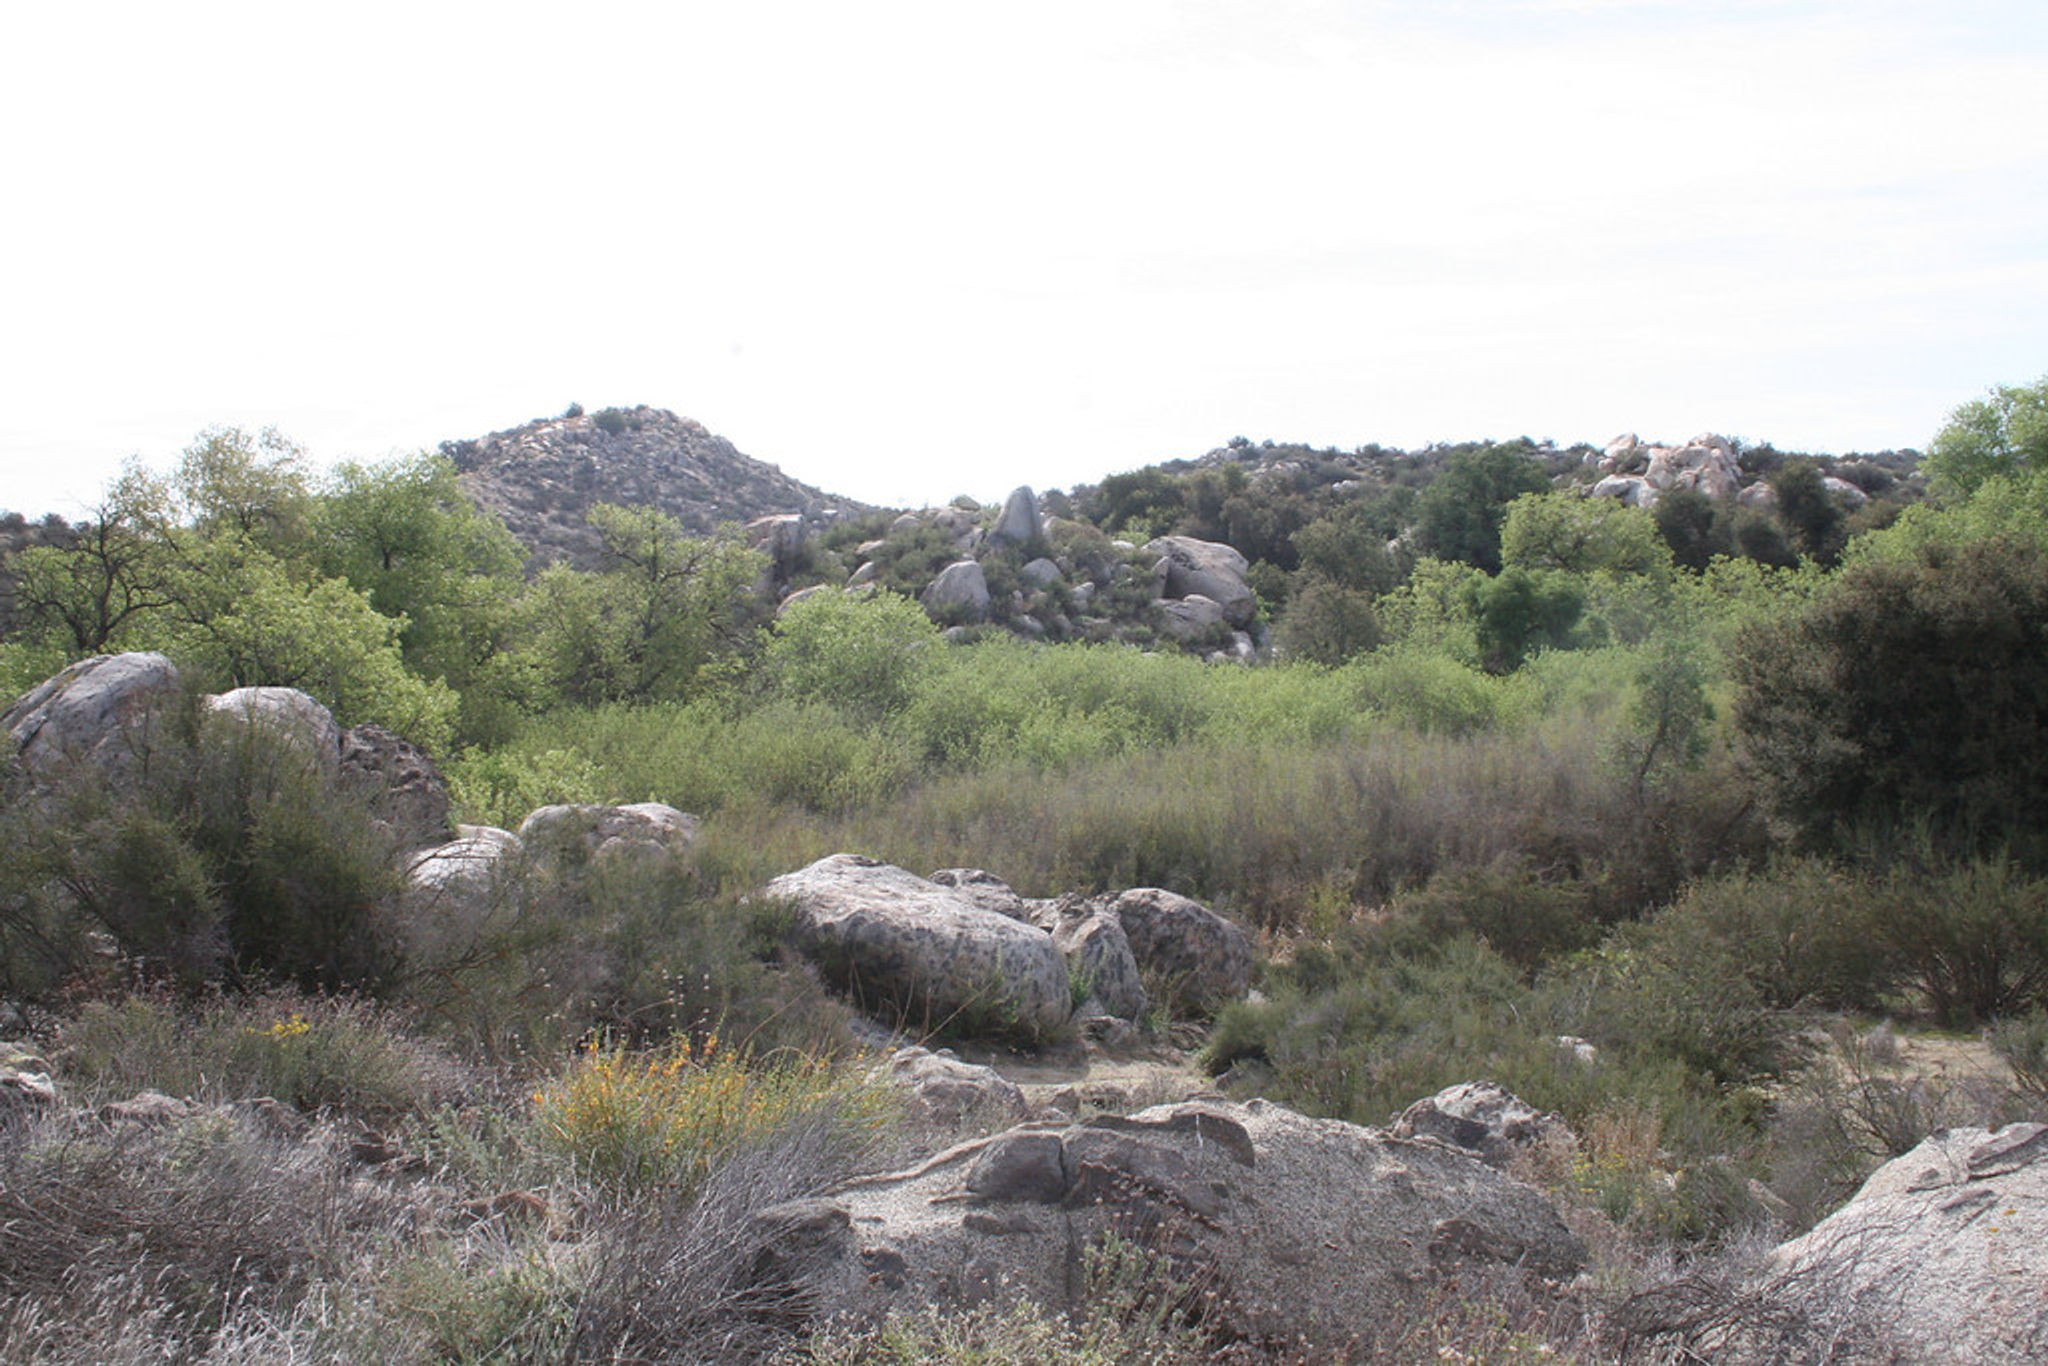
[543,476]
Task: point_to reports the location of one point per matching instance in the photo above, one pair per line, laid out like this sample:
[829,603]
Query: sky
[909,250]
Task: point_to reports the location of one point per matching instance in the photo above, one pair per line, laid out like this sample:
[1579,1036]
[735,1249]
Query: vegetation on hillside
[1698,790]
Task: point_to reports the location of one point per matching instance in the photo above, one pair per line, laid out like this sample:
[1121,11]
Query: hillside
[542,476]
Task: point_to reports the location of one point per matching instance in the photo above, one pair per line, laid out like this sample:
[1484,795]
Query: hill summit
[542,477]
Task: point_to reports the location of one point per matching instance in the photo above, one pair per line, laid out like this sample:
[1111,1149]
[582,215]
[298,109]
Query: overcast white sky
[908,250]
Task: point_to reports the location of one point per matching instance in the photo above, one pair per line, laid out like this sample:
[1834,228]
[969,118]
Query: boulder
[780,537]
[1040,573]
[638,830]
[1706,463]
[96,711]
[1843,491]
[1939,1257]
[1100,966]
[960,590]
[923,953]
[25,1087]
[1758,495]
[1019,524]
[949,1092]
[1205,959]
[1282,1227]
[1209,568]
[466,864]
[147,1110]
[1485,1119]
[1189,618]
[987,891]
[287,713]
[406,791]
[801,595]
[1631,489]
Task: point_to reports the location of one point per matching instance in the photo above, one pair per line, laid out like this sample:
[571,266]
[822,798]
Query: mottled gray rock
[1288,1225]
[960,589]
[1215,571]
[1041,572]
[97,711]
[1205,959]
[1099,961]
[923,953]
[1631,489]
[1758,495]
[1844,491]
[463,865]
[801,595]
[1019,524]
[985,890]
[1189,618]
[584,831]
[148,1110]
[1485,1119]
[1940,1257]
[950,1092]
[405,790]
[24,1087]
[286,713]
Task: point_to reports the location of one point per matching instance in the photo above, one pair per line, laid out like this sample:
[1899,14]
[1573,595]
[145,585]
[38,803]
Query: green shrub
[315,1053]
[1972,937]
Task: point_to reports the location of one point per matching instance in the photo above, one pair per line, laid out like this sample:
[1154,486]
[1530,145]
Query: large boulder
[1100,963]
[1208,568]
[465,866]
[920,953]
[1283,1227]
[1019,524]
[959,592]
[952,1093]
[1940,1257]
[1205,959]
[1706,463]
[1193,617]
[1487,1120]
[286,713]
[406,791]
[580,832]
[97,711]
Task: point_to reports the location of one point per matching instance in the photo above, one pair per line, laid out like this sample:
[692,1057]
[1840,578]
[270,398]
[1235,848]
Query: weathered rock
[1288,1226]
[922,952]
[1940,1257]
[406,791]
[147,1109]
[464,865]
[801,595]
[1100,964]
[960,590]
[1019,524]
[1208,568]
[97,711]
[987,891]
[1706,463]
[641,829]
[1485,1119]
[951,1092]
[1040,573]
[286,713]
[780,537]
[26,1087]
[1758,495]
[1189,618]
[1204,958]
[1844,491]
[1631,489]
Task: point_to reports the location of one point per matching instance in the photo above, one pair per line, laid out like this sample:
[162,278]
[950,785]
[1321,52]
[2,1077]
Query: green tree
[1694,528]
[1579,535]
[1459,516]
[1328,623]
[2003,433]
[1518,612]
[1809,511]
[1907,691]
[665,607]
[865,656]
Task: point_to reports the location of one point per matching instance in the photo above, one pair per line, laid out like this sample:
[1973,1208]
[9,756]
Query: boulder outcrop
[95,712]
[1189,567]
[1280,1226]
[913,950]
[1486,1120]
[1941,1256]
[959,592]
[1205,959]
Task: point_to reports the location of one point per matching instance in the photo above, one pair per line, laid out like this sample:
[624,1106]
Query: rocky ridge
[543,476]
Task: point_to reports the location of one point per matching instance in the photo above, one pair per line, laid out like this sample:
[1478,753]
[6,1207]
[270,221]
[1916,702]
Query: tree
[1579,535]
[1694,528]
[85,593]
[865,656]
[1518,612]
[1459,516]
[663,608]
[1908,691]
[2003,433]
[1328,623]
[1809,511]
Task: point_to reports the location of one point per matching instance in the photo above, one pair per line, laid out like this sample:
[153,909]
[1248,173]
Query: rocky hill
[541,478]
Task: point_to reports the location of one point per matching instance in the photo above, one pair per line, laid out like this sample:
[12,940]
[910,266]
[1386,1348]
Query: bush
[314,1053]
[640,1123]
